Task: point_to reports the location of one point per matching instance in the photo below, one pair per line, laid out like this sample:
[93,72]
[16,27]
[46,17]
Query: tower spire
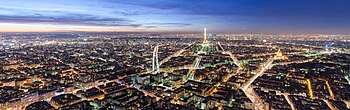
[205,36]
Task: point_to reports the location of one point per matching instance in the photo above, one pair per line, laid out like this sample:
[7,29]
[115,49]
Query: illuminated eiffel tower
[205,41]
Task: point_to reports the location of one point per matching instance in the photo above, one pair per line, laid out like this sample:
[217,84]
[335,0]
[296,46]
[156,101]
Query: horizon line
[164,32]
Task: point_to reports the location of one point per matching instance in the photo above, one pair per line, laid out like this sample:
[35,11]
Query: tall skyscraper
[155,63]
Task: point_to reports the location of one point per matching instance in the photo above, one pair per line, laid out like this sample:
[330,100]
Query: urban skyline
[175,55]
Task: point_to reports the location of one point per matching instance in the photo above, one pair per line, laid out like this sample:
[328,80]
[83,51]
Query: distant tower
[205,41]
[155,63]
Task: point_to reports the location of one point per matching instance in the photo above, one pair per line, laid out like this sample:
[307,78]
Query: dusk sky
[221,16]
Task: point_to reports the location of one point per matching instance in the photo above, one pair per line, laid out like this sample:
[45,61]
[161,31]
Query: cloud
[156,25]
[155,4]
[171,24]
[129,12]
[71,19]
[145,14]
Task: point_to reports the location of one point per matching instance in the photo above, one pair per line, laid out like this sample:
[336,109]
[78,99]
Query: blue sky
[228,16]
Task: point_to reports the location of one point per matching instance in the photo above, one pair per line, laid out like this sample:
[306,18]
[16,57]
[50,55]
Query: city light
[174,55]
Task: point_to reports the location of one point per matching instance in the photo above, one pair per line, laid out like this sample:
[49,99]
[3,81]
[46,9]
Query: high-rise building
[155,63]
